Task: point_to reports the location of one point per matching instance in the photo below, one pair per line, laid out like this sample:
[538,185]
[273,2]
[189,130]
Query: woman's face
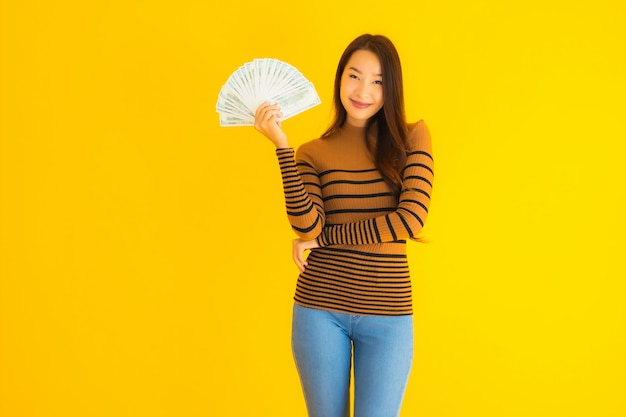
[361,88]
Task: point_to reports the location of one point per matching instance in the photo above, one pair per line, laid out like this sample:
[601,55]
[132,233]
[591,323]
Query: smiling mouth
[360,105]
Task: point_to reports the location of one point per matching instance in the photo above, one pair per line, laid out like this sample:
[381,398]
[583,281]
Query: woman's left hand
[299,246]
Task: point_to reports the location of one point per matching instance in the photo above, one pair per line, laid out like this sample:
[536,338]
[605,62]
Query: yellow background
[144,251]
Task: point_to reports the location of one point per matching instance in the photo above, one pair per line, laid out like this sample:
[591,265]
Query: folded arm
[409,217]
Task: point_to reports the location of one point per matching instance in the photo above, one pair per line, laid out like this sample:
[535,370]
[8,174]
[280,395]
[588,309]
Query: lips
[360,105]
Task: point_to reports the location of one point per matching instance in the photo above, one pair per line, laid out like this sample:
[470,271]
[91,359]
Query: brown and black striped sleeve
[303,199]
[409,217]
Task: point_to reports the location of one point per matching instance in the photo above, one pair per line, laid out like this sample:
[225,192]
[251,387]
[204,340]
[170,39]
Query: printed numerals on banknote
[264,79]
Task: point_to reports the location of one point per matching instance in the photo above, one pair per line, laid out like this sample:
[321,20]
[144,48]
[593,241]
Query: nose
[362,90]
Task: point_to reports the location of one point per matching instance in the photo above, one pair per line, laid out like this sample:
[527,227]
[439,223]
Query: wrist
[281,144]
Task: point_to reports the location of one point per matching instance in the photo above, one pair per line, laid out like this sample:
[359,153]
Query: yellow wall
[144,252]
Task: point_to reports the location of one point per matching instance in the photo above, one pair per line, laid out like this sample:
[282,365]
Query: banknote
[260,80]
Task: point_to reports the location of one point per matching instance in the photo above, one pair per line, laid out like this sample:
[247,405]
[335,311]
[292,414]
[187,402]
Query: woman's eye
[379,82]
[353,76]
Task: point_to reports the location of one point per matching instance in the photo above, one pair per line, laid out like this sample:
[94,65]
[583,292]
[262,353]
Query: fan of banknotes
[264,79]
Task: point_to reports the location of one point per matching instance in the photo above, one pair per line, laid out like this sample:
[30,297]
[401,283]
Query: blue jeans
[323,343]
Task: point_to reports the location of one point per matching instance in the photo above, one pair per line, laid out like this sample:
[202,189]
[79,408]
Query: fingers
[267,111]
[267,120]
[301,264]
[298,255]
[299,260]
[301,267]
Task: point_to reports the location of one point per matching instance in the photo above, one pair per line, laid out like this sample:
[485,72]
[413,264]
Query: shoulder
[419,136]
[418,129]
[312,145]
[309,151]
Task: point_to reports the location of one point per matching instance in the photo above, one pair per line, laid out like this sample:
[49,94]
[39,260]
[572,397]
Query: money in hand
[261,80]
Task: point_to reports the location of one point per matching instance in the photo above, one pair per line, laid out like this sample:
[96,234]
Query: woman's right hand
[267,121]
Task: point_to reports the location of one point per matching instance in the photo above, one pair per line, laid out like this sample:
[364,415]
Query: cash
[260,80]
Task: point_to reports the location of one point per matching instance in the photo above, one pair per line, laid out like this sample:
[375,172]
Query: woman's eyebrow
[360,72]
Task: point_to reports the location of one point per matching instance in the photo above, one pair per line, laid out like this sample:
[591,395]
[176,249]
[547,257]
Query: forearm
[303,214]
[405,222]
[400,225]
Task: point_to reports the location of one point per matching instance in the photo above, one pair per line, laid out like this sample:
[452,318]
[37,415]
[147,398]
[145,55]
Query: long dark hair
[389,150]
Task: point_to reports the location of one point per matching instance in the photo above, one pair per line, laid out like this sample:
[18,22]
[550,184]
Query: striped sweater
[335,194]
